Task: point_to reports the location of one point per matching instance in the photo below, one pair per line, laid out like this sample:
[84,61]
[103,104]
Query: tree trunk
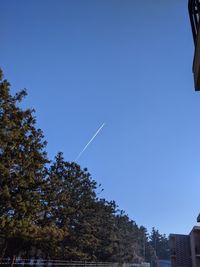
[12,260]
[3,252]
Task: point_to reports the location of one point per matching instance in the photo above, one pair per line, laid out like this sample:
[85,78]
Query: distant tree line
[51,208]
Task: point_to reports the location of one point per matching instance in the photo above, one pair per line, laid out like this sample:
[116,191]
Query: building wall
[180,250]
[195,246]
[185,249]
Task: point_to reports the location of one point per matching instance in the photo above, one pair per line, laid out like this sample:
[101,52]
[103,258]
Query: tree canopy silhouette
[51,207]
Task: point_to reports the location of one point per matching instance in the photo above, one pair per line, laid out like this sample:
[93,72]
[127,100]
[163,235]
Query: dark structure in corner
[185,249]
[194,13]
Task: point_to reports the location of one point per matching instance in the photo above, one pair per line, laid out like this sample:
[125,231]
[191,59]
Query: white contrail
[90,141]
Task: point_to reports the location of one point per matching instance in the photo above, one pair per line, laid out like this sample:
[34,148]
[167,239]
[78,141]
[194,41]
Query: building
[180,250]
[185,249]
[194,14]
[195,246]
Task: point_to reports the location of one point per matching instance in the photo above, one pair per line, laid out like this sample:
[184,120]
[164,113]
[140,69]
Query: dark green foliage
[53,207]
[71,197]
[22,173]
[104,223]
[160,244]
[127,248]
[22,161]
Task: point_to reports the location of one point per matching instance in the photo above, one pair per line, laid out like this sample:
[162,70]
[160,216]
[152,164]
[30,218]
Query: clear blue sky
[126,63]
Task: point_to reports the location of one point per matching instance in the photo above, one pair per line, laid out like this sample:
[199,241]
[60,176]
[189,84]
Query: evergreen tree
[55,207]
[160,245]
[130,239]
[104,223]
[22,172]
[71,201]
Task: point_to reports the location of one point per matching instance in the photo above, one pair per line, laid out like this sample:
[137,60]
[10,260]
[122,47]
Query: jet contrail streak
[100,128]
